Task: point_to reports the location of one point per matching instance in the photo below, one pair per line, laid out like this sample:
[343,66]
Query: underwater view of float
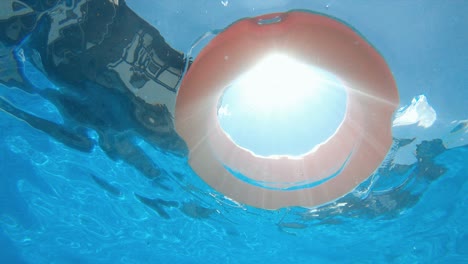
[233,132]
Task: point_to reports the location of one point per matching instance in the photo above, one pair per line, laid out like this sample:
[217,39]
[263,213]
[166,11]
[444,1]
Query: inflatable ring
[330,170]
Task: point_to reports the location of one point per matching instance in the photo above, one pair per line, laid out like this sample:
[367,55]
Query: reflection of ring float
[329,171]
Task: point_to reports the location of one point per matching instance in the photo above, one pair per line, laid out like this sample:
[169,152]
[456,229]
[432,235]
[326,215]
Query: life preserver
[325,173]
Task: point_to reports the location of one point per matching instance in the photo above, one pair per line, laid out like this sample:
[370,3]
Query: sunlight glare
[282,106]
[277,83]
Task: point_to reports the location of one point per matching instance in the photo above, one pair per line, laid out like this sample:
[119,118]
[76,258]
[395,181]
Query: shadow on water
[109,188]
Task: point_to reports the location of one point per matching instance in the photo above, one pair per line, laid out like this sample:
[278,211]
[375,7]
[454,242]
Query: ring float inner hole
[288,114]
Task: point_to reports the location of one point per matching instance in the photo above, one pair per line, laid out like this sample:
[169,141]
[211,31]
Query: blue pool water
[61,205]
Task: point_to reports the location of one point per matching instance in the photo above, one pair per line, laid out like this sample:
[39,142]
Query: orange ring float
[325,173]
